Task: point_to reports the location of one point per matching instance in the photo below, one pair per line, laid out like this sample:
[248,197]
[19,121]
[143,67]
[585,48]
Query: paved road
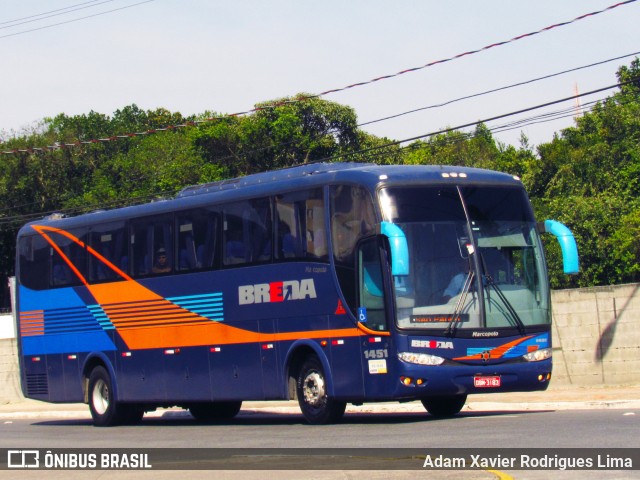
[611,428]
[554,429]
[558,418]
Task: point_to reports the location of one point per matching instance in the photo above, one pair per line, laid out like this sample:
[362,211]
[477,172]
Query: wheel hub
[314,389]
[100,397]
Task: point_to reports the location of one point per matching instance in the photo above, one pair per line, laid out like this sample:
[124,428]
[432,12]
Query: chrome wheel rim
[100,397]
[313,389]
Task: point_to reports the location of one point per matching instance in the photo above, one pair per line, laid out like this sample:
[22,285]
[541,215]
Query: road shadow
[255,418]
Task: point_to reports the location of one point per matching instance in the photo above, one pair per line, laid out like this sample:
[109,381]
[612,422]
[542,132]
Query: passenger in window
[455,286]
[458,280]
[161,264]
[287,241]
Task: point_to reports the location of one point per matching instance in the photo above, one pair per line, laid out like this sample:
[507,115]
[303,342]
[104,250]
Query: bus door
[373,315]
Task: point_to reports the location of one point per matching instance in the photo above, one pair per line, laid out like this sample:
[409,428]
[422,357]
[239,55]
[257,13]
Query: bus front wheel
[316,405]
[444,406]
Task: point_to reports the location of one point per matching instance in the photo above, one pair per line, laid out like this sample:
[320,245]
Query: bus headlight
[420,358]
[537,355]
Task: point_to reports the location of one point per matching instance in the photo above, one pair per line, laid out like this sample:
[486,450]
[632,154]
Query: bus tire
[105,411]
[444,406]
[211,411]
[316,405]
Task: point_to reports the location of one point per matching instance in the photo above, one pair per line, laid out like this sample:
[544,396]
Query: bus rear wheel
[211,411]
[316,405]
[105,411]
[444,406]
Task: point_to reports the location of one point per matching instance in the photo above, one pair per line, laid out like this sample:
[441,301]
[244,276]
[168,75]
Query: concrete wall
[596,335]
[7,327]
[9,375]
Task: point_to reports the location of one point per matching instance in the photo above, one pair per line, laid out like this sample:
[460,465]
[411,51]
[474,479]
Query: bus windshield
[475,259]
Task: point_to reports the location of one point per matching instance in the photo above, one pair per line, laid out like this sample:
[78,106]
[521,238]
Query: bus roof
[304,176]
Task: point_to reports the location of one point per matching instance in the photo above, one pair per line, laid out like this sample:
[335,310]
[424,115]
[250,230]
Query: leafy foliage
[587,177]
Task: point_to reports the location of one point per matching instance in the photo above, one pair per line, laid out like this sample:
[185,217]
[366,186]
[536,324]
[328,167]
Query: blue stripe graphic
[101,317]
[209,305]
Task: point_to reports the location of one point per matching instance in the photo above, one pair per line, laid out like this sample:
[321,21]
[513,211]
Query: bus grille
[37,384]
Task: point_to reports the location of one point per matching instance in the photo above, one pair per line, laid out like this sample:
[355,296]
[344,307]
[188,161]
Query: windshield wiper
[515,318]
[455,319]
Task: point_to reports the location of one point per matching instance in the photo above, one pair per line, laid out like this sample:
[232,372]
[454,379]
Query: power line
[542,118]
[373,151]
[303,97]
[82,18]
[494,90]
[473,52]
[462,136]
[50,14]
[558,115]
[485,120]
[45,13]
[442,104]
[545,117]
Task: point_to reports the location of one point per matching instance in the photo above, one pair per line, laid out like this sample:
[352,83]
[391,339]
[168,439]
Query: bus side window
[196,239]
[34,253]
[288,227]
[72,254]
[187,258]
[300,226]
[352,218]
[315,227]
[247,232]
[109,241]
[233,239]
[152,246]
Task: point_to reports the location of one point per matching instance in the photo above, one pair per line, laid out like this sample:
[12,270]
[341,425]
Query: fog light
[406,380]
[419,381]
[544,377]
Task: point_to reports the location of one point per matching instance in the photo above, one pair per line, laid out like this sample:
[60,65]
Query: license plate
[486,382]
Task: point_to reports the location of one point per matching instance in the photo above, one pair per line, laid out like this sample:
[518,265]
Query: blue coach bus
[328,283]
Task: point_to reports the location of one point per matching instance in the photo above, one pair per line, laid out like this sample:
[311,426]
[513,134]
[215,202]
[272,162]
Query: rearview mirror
[399,248]
[567,243]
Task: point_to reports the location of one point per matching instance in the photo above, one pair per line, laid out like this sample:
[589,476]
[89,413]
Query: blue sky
[225,56]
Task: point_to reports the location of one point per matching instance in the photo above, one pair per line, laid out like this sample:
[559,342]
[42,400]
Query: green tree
[589,176]
[281,133]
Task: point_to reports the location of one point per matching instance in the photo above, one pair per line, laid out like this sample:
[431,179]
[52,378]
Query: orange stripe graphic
[497,352]
[32,323]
